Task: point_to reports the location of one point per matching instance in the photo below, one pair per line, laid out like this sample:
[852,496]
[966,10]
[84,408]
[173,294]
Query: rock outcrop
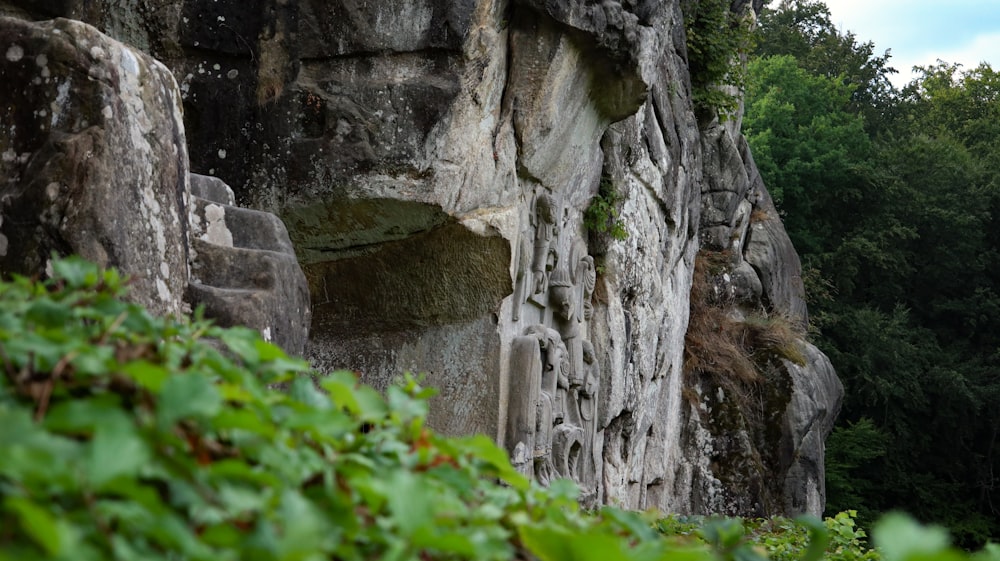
[433,161]
[95,162]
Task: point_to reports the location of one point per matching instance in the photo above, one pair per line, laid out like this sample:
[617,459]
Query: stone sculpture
[554,382]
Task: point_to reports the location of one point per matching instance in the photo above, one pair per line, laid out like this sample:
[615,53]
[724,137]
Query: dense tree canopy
[892,198]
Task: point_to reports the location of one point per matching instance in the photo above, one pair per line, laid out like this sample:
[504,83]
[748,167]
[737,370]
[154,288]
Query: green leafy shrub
[126,436]
[897,537]
[602,214]
[129,437]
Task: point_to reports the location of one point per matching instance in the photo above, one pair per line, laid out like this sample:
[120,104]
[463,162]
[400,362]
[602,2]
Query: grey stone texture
[433,160]
[92,158]
[94,162]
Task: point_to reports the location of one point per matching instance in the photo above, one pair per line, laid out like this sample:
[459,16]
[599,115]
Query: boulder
[94,162]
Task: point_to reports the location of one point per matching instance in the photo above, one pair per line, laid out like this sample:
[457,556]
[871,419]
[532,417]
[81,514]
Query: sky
[919,32]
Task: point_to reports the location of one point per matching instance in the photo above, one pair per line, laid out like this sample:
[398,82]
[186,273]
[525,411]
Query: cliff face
[433,161]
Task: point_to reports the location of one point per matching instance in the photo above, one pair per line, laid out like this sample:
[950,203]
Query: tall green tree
[891,198]
[804,29]
[811,150]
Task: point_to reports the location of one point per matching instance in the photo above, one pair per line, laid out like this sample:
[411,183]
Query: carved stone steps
[212,189]
[237,267]
[228,225]
[243,267]
[232,306]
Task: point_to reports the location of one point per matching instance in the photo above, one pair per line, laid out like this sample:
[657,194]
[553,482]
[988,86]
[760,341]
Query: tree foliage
[803,29]
[891,197]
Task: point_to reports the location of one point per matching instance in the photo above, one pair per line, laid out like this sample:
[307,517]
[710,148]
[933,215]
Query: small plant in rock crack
[602,216]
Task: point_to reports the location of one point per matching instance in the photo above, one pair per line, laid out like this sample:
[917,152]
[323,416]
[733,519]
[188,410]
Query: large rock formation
[94,162]
[434,160]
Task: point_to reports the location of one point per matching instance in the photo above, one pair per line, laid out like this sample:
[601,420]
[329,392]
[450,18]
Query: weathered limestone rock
[816,398]
[93,158]
[433,161]
[767,456]
[94,162]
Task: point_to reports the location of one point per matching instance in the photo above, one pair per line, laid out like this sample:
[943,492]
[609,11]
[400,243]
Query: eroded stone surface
[86,111]
[434,161]
[95,163]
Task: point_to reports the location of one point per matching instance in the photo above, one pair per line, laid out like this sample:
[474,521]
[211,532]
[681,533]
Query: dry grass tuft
[725,346]
[759,215]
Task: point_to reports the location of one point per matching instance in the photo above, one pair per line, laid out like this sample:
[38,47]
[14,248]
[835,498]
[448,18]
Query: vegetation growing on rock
[601,217]
[718,39]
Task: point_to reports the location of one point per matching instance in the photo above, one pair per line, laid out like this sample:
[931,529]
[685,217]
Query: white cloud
[976,50]
[920,33]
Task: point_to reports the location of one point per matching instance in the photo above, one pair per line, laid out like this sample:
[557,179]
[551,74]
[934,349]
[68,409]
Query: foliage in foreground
[124,436]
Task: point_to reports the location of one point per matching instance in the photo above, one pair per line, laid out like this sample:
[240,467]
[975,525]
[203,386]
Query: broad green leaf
[340,386]
[116,450]
[268,351]
[77,272]
[633,522]
[330,425]
[239,470]
[232,392]
[242,341]
[83,415]
[991,552]
[550,543]
[32,455]
[188,395]
[723,532]
[93,360]
[403,405]
[52,535]
[307,533]
[485,449]
[411,502]
[146,374]
[304,390]
[819,537]
[46,313]
[900,538]
[243,419]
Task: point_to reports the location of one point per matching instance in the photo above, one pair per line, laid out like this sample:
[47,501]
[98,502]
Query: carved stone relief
[554,377]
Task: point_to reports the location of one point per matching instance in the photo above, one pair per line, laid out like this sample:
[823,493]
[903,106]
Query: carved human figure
[543,257]
[588,277]
[564,304]
[584,398]
[524,275]
[525,394]
[591,382]
[550,408]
